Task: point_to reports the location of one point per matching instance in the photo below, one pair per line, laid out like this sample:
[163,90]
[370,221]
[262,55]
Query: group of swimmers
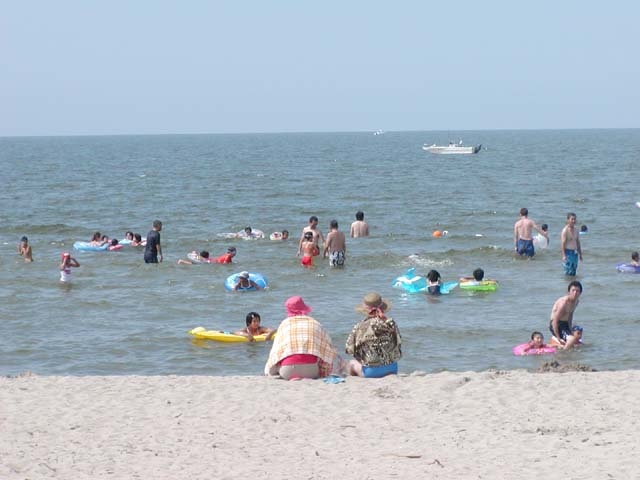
[563,332]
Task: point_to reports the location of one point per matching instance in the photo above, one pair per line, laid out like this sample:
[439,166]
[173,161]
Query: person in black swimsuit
[561,323]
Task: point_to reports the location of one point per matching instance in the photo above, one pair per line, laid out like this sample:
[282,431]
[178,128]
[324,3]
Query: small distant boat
[378,132]
[452,149]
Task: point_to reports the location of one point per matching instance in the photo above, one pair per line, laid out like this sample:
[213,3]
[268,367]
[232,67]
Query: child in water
[433,282]
[540,240]
[308,250]
[65,267]
[478,276]
[24,249]
[576,331]
[254,328]
[537,341]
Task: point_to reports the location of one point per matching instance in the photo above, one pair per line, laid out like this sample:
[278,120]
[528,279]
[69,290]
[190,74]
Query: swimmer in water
[254,328]
[245,283]
[24,250]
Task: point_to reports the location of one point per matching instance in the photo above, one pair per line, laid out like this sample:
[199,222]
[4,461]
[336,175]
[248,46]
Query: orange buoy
[437,233]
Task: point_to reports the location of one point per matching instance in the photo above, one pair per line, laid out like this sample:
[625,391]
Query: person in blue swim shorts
[570,246]
[522,234]
[374,342]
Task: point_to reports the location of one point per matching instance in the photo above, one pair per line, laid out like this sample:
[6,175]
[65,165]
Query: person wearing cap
[65,266]
[374,342]
[226,257]
[24,250]
[302,347]
[245,283]
[561,323]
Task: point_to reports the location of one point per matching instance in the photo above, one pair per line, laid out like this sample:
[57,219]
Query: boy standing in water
[24,249]
[570,246]
[153,250]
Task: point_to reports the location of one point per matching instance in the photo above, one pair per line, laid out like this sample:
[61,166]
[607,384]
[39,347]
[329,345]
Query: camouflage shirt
[375,341]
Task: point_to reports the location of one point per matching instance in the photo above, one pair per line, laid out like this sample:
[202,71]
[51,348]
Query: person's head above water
[478,274]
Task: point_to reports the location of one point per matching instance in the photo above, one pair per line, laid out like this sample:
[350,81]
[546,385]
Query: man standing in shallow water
[359,228]
[522,237]
[570,246]
[335,245]
[153,249]
[315,231]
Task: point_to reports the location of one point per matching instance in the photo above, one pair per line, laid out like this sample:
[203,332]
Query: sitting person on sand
[245,283]
[375,341]
[302,348]
[24,250]
[254,328]
[433,282]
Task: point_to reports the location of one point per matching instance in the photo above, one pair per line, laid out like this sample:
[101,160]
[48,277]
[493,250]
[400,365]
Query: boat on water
[452,149]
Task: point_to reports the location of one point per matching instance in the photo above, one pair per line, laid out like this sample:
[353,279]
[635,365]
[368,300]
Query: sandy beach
[489,425]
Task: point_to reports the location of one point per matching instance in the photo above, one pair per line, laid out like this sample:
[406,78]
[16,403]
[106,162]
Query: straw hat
[296,306]
[244,274]
[373,300]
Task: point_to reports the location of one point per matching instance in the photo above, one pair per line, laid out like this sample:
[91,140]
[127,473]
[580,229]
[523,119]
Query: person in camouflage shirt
[375,341]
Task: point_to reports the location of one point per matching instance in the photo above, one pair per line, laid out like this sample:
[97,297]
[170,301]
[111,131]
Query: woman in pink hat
[302,348]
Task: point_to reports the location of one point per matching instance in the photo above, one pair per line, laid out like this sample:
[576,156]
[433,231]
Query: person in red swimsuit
[226,258]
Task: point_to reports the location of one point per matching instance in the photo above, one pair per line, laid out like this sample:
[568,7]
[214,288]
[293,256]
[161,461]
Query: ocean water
[120,316]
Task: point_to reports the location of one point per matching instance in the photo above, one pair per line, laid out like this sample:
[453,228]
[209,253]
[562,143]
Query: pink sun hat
[296,306]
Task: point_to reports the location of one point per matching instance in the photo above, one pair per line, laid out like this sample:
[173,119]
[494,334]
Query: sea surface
[120,316]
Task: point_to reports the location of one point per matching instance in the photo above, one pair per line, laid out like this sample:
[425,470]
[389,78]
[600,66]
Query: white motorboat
[452,149]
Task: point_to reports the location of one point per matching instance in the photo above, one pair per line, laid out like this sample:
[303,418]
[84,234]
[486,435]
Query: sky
[157,67]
